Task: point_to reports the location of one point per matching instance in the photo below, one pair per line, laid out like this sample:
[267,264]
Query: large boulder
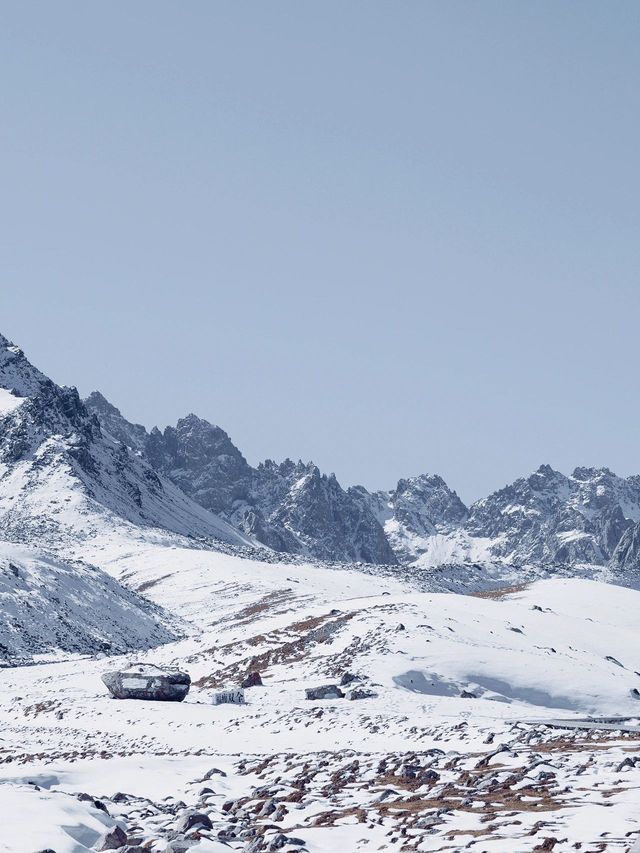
[326,691]
[146,681]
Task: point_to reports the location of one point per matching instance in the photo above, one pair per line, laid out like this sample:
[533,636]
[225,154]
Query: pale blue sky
[391,237]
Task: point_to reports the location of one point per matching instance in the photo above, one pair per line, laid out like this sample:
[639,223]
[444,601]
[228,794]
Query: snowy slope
[368,775]
[502,645]
[47,606]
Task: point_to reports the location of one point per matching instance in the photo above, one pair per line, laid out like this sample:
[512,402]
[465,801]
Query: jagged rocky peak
[426,502]
[417,509]
[549,517]
[17,374]
[113,422]
[326,520]
[202,460]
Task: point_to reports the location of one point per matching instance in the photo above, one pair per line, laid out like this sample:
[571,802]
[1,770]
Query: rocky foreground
[506,723]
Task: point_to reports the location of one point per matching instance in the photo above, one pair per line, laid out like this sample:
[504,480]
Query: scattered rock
[467,694]
[326,691]
[146,681]
[348,678]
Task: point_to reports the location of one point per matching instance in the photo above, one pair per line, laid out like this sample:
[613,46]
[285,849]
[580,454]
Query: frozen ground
[459,749]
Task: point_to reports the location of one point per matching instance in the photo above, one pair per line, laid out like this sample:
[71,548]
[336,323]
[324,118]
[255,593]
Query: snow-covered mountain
[62,478]
[71,469]
[546,519]
[290,507]
[553,518]
[418,509]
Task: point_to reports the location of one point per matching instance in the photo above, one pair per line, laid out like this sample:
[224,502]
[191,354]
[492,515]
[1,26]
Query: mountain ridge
[589,517]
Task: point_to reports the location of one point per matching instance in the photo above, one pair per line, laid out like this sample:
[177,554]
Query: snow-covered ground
[458,748]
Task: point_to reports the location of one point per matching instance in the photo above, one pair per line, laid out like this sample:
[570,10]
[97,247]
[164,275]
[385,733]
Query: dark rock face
[253,679]
[626,556]
[112,421]
[201,459]
[144,681]
[326,691]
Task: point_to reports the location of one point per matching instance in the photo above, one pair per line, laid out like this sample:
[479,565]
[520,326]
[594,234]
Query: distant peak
[584,473]
[16,371]
[422,481]
[96,400]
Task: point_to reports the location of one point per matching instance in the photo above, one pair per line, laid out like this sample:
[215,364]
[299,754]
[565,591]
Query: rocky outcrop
[252,679]
[148,682]
[112,422]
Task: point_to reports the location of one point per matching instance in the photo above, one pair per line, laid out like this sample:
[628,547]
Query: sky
[388,237]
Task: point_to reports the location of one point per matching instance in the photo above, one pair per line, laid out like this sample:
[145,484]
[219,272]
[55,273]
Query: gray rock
[326,691]
[113,839]
[146,681]
[281,840]
[193,818]
[215,771]
[360,693]
[268,808]
[179,846]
